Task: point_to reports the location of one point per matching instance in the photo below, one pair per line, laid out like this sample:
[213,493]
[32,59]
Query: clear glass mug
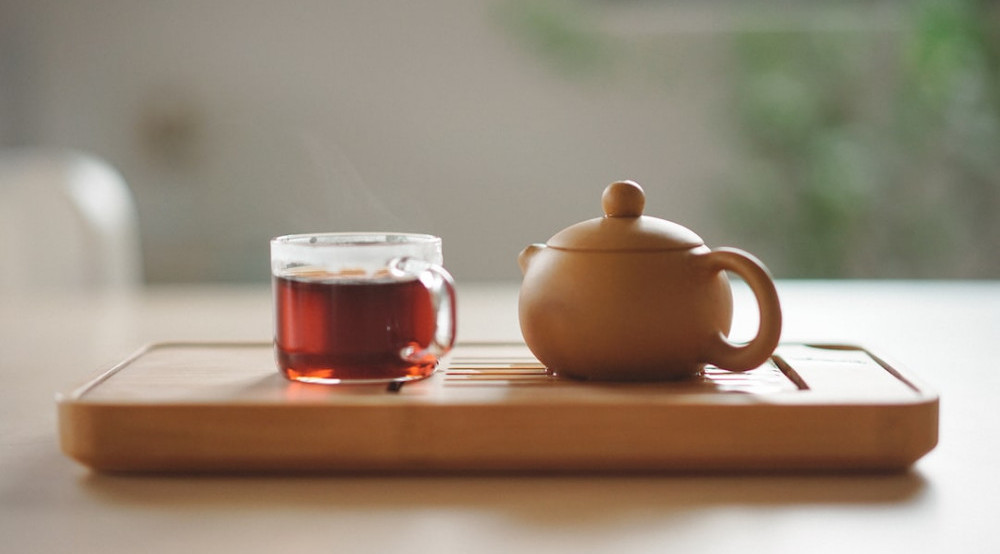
[360,307]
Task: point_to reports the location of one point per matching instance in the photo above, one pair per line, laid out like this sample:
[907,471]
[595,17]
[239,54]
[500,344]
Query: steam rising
[338,198]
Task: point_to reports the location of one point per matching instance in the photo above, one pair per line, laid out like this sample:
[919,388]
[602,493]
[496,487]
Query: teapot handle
[741,357]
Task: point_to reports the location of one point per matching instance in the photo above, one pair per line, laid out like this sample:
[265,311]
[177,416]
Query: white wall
[235,121]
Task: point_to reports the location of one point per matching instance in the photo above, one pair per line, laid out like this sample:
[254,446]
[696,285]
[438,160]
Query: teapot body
[623,315]
[628,297]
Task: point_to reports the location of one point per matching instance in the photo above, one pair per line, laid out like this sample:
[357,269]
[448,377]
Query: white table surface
[944,332]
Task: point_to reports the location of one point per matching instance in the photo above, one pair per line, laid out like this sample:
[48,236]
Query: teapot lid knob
[623,227]
[623,199]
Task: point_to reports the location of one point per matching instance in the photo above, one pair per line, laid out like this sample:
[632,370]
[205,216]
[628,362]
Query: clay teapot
[628,297]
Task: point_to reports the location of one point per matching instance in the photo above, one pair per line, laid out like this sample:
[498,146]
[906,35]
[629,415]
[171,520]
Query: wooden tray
[183,407]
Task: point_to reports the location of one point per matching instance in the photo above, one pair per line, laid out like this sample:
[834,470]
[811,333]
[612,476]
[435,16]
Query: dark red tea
[339,328]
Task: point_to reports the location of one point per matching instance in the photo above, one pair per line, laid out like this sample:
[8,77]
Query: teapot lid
[624,228]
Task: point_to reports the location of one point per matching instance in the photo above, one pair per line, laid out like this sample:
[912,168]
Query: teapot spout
[524,258]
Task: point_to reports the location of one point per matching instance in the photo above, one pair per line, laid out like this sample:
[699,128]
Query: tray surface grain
[193,407]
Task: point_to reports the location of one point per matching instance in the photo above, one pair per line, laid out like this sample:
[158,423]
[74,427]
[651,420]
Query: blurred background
[839,139]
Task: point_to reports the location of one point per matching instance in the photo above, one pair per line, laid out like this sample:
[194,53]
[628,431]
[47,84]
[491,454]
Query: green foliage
[812,173]
[862,151]
[871,154]
[558,31]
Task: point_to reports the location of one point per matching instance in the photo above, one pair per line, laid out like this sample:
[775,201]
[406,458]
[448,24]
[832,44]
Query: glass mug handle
[441,287]
[735,357]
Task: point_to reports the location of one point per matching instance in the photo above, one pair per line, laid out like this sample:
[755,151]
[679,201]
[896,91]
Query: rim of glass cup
[363,238]
[364,252]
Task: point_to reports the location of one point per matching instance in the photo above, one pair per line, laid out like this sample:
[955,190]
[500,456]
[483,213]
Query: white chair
[67,220]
